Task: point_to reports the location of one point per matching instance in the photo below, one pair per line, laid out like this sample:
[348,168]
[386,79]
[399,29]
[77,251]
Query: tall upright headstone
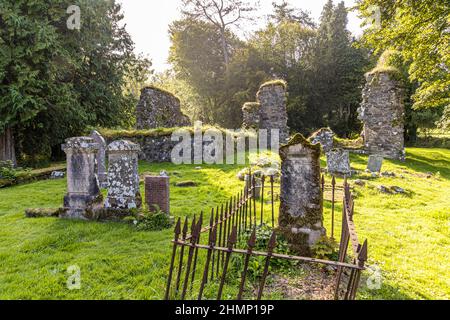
[301,208]
[123,176]
[83,192]
[383,114]
[101,159]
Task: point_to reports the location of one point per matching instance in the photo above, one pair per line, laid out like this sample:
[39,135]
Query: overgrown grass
[408,235]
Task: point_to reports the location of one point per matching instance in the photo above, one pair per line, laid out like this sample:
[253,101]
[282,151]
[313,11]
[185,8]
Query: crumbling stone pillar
[338,162]
[383,112]
[158,108]
[272,99]
[157,193]
[301,209]
[251,115]
[325,137]
[101,159]
[83,193]
[123,176]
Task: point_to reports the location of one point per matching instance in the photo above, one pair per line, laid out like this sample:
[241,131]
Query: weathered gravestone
[383,114]
[101,159]
[83,193]
[301,209]
[123,177]
[325,137]
[375,163]
[157,193]
[338,162]
[158,108]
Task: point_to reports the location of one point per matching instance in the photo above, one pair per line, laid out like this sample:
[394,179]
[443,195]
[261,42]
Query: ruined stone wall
[159,109]
[251,113]
[273,99]
[269,112]
[382,112]
[158,148]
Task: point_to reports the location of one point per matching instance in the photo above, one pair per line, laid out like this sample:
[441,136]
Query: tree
[195,54]
[55,82]
[220,13]
[337,69]
[284,12]
[420,31]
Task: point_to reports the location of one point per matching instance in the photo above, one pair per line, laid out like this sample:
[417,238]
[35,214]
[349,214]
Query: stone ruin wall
[383,114]
[159,109]
[269,112]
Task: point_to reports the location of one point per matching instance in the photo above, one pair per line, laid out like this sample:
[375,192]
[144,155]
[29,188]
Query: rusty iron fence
[240,216]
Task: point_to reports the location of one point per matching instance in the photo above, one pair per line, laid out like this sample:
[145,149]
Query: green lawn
[408,235]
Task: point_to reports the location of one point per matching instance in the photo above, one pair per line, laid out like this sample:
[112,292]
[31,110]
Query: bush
[256,263]
[151,221]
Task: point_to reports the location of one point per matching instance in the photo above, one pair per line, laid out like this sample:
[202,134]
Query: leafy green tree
[337,73]
[196,55]
[420,30]
[55,82]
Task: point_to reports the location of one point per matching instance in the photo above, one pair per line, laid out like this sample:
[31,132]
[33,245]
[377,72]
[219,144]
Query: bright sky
[148,21]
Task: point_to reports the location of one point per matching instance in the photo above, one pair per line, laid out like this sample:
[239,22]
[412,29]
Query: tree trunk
[7,151]
[224,47]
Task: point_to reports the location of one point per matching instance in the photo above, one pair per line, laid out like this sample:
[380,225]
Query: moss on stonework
[251,106]
[349,144]
[299,139]
[276,82]
[152,87]
[387,65]
[156,133]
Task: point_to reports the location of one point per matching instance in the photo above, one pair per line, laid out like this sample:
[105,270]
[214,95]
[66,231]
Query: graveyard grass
[409,238]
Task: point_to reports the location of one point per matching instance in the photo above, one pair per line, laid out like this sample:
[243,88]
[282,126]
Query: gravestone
[325,137]
[375,163]
[83,192]
[272,98]
[338,162]
[101,159]
[158,108]
[123,177]
[157,193]
[383,113]
[301,208]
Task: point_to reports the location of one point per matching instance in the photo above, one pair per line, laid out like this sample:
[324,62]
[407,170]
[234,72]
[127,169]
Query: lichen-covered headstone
[338,162]
[383,114]
[325,137]
[375,163]
[301,208]
[272,98]
[83,192]
[123,176]
[158,108]
[157,193]
[101,159]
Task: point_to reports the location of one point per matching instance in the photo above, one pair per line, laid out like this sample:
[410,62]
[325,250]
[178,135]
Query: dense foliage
[420,30]
[54,81]
[320,64]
